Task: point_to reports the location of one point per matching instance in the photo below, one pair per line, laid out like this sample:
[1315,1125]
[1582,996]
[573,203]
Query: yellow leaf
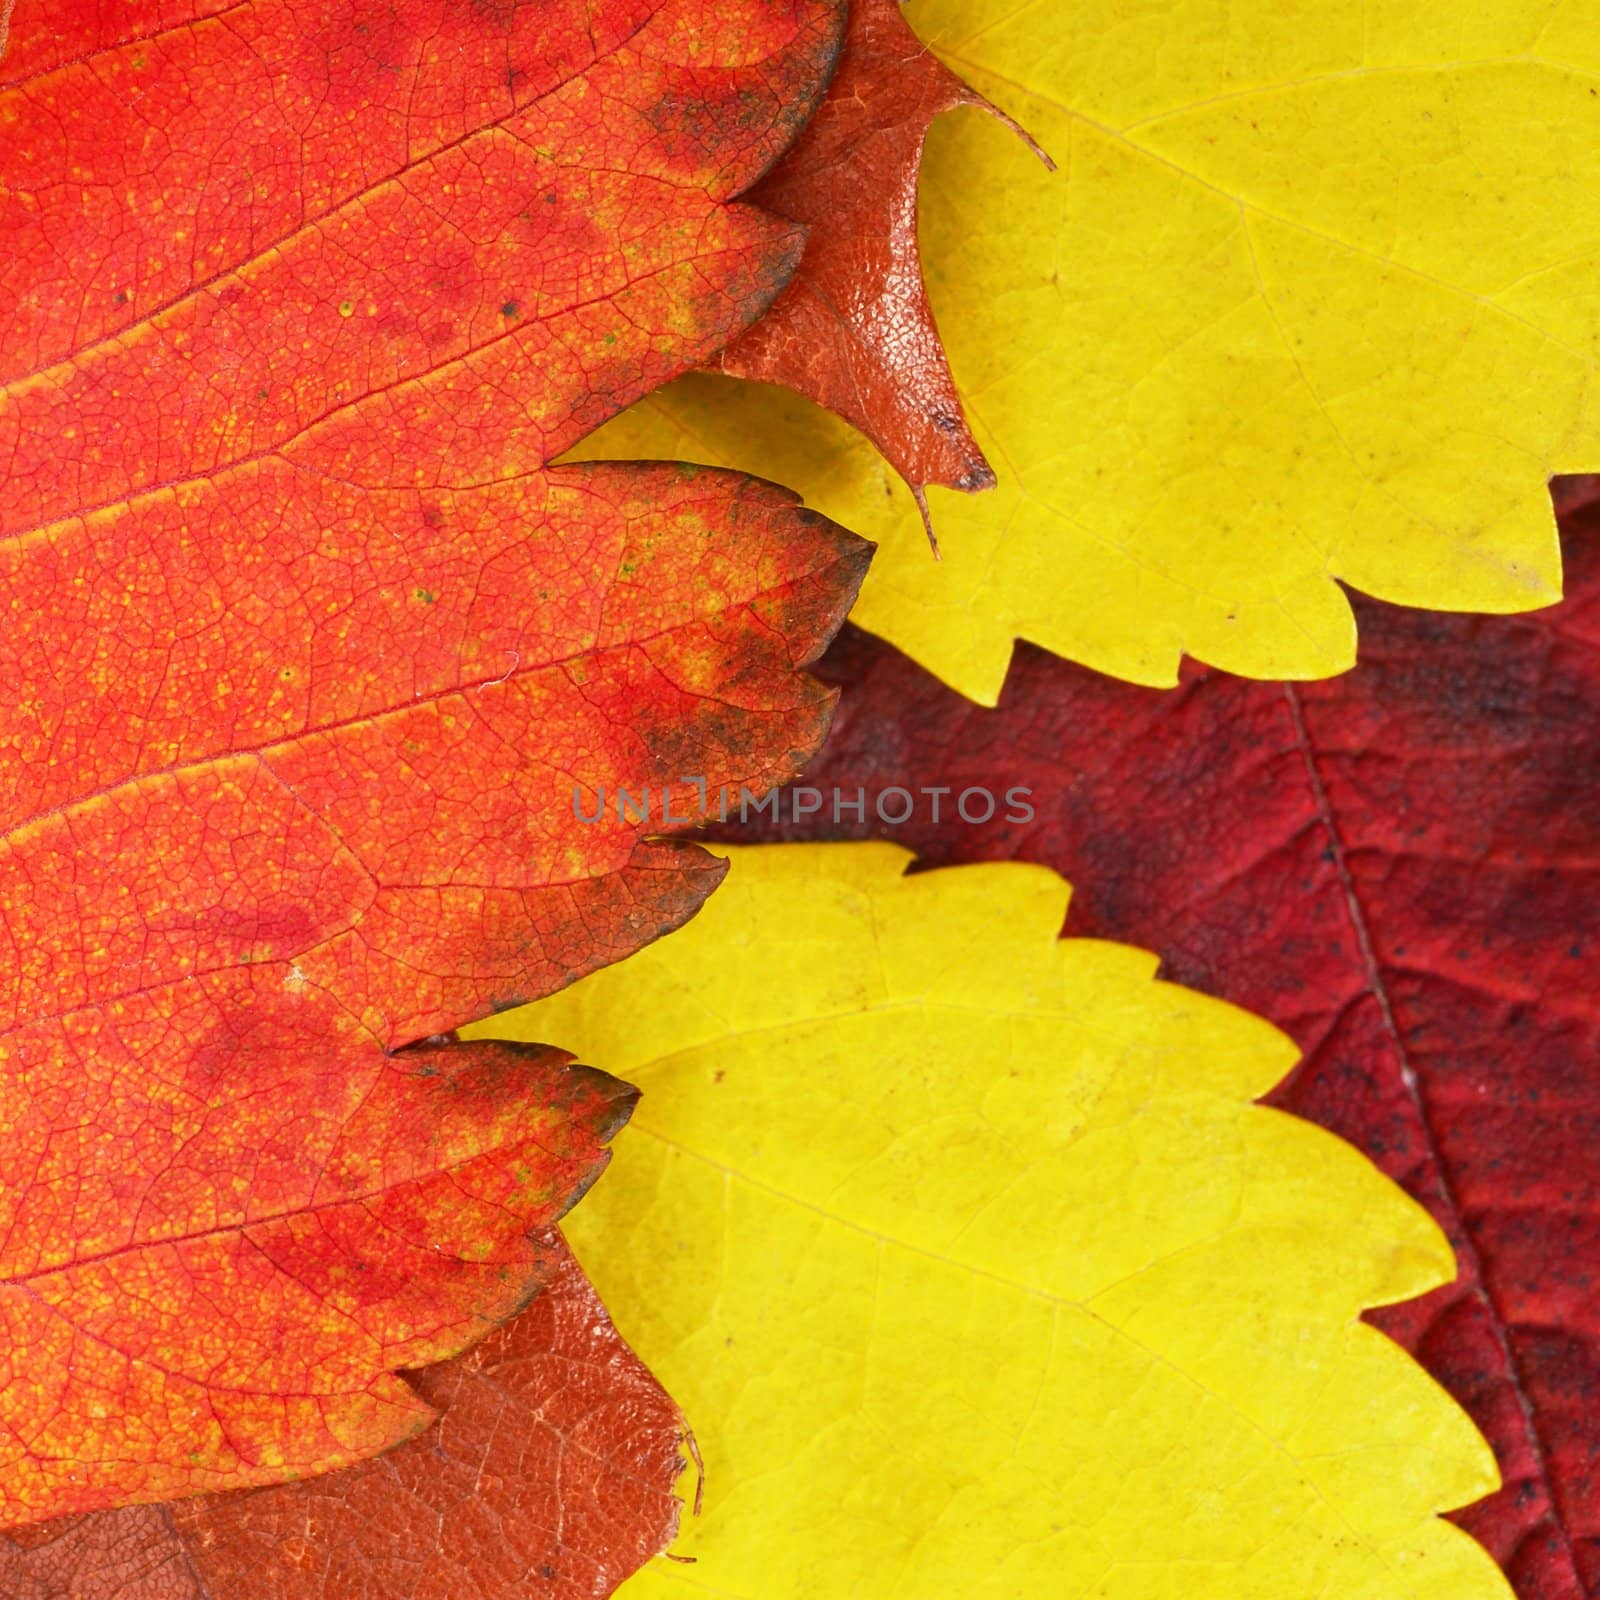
[978,1273]
[1314,295]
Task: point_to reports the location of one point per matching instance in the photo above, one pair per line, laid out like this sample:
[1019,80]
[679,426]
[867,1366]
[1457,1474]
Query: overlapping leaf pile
[341,718]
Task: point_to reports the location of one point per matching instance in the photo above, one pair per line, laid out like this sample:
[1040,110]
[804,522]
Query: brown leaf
[550,1473]
[853,330]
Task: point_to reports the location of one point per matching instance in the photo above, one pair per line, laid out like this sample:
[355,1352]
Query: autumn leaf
[1304,306]
[853,330]
[551,1469]
[966,1252]
[1398,869]
[310,656]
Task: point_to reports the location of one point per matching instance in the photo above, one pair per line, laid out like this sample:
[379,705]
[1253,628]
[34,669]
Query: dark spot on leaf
[500,14]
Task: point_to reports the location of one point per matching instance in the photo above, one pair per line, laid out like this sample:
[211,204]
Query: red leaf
[550,1472]
[853,331]
[1399,867]
[309,655]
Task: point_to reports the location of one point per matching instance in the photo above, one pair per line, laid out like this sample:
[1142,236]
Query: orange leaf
[310,656]
[551,1471]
